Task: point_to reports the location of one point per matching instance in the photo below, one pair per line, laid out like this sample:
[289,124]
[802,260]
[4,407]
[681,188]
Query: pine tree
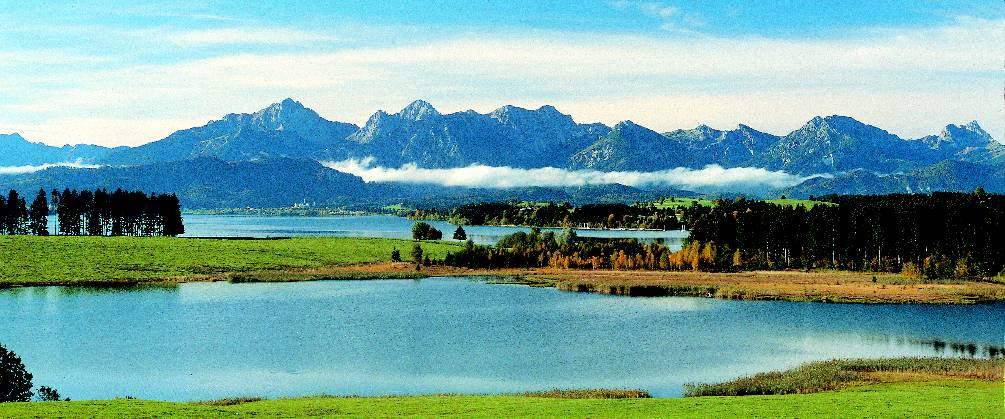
[16,214]
[416,253]
[38,215]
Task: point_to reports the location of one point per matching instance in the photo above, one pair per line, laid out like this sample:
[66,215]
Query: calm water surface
[377,226]
[211,340]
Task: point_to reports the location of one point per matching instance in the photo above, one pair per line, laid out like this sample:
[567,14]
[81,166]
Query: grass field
[942,398]
[29,260]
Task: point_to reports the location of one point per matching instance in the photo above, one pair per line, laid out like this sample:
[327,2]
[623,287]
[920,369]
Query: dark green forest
[941,235]
[639,216]
[938,235]
[92,213]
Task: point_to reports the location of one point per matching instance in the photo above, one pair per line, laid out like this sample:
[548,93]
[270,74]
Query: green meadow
[945,398]
[30,260]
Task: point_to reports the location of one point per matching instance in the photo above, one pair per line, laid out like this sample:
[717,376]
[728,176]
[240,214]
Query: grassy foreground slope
[29,260]
[947,398]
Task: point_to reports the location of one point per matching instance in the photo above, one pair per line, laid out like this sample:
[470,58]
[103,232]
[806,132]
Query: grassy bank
[840,374]
[944,398]
[29,260]
[98,261]
[827,286]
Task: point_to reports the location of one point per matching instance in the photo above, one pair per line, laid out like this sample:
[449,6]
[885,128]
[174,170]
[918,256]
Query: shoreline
[794,286]
[882,387]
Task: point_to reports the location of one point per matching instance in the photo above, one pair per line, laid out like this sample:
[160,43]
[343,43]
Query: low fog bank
[711,178]
[31,168]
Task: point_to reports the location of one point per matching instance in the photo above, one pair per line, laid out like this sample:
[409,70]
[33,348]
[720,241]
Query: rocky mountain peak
[418,110]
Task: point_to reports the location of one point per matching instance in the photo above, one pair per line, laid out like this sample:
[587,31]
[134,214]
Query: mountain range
[15,150]
[240,151]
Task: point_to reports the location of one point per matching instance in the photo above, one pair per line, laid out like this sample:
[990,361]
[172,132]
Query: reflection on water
[380,226]
[211,340]
[88,290]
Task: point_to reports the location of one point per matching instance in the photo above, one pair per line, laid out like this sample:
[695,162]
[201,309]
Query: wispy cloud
[901,80]
[671,18]
[248,36]
[18,170]
[20,58]
[710,178]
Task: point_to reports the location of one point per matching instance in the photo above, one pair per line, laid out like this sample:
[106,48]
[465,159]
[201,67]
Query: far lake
[440,335]
[378,226]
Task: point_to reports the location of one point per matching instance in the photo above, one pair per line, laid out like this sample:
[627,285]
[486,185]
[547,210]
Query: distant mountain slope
[948,175]
[508,136]
[630,146]
[17,151]
[839,143]
[431,196]
[967,143]
[284,129]
[733,148]
[208,182]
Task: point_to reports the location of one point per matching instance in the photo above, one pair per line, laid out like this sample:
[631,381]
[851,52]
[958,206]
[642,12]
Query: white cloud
[911,82]
[658,10]
[711,178]
[17,170]
[247,36]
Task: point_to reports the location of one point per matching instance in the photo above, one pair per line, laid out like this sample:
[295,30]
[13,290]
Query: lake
[441,335]
[379,226]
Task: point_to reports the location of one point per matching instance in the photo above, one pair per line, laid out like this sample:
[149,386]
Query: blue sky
[100,72]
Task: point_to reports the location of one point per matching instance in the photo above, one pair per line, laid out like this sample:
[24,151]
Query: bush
[424,231]
[460,234]
[911,270]
[962,270]
[15,381]
[395,255]
[416,253]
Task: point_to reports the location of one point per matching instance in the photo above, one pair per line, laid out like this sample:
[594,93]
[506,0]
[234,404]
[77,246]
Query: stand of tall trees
[92,213]
[13,214]
[942,235]
[936,235]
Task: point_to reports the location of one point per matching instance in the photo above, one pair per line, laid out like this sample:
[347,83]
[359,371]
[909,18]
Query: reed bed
[838,374]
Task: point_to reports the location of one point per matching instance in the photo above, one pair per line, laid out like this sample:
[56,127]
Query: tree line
[638,216]
[92,213]
[934,235]
[940,235]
